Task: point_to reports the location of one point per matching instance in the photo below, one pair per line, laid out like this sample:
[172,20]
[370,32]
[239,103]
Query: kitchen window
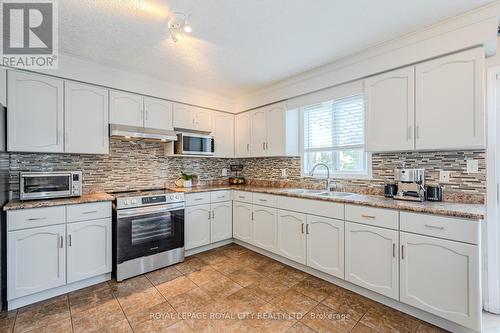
[334,134]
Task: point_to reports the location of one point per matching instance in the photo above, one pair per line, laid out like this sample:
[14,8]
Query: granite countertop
[461,210]
[86,198]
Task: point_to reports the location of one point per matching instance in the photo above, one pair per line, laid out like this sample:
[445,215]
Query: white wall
[71,67]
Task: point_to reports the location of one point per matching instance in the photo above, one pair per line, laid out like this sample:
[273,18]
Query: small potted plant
[185,180]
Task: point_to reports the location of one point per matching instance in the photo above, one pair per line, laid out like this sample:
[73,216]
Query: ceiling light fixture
[178,26]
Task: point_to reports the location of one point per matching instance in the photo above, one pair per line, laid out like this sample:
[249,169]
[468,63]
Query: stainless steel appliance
[47,185]
[142,133]
[148,231]
[411,184]
[194,144]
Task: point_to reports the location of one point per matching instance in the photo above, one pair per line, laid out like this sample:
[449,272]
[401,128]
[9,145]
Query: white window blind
[334,135]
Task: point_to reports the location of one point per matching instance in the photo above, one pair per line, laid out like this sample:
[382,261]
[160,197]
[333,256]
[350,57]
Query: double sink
[318,193]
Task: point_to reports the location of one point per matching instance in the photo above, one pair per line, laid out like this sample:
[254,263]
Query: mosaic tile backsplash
[142,165]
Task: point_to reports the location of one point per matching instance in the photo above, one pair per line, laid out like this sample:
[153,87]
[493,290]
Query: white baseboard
[43,295]
[425,316]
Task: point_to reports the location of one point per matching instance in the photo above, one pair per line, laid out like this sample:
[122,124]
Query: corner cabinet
[450,110]
[35,115]
[242,138]
[390,100]
[223,131]
[86,111]
[441,277]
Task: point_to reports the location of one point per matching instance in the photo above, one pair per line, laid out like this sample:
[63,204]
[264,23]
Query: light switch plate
[472,166]
[444,176]
[283,173]
[224,172]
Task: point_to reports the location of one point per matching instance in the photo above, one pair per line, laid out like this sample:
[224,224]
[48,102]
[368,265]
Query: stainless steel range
[148,231]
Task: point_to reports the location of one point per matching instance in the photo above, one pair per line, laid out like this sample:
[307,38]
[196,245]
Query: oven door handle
[149,210]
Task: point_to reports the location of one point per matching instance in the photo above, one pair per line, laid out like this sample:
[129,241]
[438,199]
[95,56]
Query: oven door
[42,186]
[145,231]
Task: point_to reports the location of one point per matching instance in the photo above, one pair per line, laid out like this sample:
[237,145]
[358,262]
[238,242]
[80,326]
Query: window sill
[337,176]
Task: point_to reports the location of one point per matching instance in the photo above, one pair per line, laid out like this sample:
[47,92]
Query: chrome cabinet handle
[267,145]
[417,132]
[37,218]
[61,242]
[209,215]
[368,216]
[263,146]
[198,199]
[394,250]
[146,114]
[302,227]
[262,200]
[307,229]
[402,251]
[90,212]
[433,227]
[69,240]
[248,147]
[213,214]
[409,133]
[252,216]
[241,196]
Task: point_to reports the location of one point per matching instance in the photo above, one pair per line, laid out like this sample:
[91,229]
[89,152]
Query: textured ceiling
[238,45]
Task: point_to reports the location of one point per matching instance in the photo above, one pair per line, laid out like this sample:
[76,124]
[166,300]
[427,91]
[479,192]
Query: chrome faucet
[327,175]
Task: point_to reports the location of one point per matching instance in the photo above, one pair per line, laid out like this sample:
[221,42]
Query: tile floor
[230,289]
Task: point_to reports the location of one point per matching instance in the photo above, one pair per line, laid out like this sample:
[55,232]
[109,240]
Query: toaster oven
[47,185]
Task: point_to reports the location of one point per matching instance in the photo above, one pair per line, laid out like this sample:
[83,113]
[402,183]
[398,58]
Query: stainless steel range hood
[132,132]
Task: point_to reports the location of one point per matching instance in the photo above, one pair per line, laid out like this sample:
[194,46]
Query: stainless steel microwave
[47,185]
[194,144]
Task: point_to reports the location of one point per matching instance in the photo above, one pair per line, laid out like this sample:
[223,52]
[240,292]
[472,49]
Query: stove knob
[125,202]
[134,201]
[172,197]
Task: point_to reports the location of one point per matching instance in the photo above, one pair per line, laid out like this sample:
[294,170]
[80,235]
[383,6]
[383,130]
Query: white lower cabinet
[441,277]
[36,260]
[222,221]
[197,226]
[89,249]
[292,236]
[242,221]
[371,259]
[264,230]
[325,245]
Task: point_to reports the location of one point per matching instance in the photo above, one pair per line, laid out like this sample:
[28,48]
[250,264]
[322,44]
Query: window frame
[321,171]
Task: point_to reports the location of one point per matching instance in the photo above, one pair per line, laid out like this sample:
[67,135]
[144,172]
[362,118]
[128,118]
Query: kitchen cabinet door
[258,130]
[325,245]
[35,120]
[183,116]
[264,231]
[390,111]
[450,111]
[222,221]
[197,226]
[371,259]
[35,260]
[276,130]
[292,236]
[223,134]
[89,249]
[86,119]
[126,109]
[242,135]
[158,114]
[242,221]
[202,120]
[441,277]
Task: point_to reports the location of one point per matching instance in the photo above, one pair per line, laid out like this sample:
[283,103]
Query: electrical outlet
[472,166]
[444,176]
[224,172]
[283,173]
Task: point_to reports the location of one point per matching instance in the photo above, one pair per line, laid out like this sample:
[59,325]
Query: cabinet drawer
[88,211]
[332,210]
[220,196]
[443,227]
[35,217]
[193,199]
[242,196]
[385,218]
[264,199]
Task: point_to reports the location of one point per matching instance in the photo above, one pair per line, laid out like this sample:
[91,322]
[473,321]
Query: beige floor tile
[154,319]
[98,317]
[118,327]
[227,266]
[348,302]
[141,299]
[205,275]
[61,326]
[268,266]
[212,257]
[191,264]
[385,319]
[176,287]
[7,320]
[90,297]
[179,327]
[429,328]
[360,328]
[268,288]
[245,276]
[272,319]
[42,314]
[289,276]
[300,328]
[191,301]
[163,275]
[295,303]
[244,303]
[326,320]
[221,287]
[314,288]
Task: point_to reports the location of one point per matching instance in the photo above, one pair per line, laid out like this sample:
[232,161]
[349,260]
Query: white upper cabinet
[274,131]
[223,131]
[371,259]
[242,135]
[390,106]
[193,118]
[158,114]
[35,121]
[86,114]
[258,123]
[126,109]
[450,102]
[441,277]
